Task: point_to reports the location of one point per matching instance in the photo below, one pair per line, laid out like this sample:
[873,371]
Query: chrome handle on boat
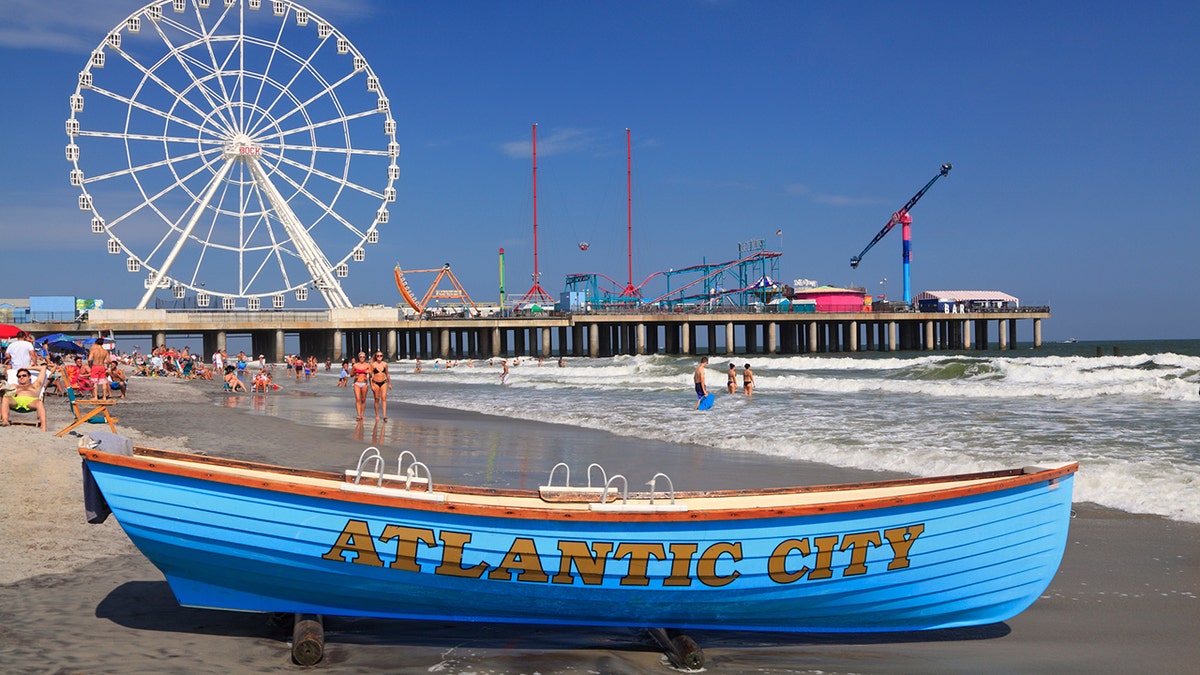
[412,473]
[670,486]
[567,482]
[567,474]
[603,474]
[400,461]
[624,492]
[371,454]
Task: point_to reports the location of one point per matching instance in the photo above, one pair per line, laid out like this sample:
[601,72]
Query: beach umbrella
[8,331]
[53,337]
[66,346]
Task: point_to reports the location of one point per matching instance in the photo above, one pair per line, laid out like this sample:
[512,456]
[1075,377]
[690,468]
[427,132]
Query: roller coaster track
[716,270]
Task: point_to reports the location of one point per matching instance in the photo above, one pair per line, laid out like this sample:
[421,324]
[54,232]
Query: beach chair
[89,411]
[27,416]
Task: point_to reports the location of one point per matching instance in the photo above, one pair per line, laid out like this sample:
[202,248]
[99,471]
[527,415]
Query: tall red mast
[536,293]
[630,291]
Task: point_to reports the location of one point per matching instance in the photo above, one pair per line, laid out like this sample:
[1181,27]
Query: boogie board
[706,402]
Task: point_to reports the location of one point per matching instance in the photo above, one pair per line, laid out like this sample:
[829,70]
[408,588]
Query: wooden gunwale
[508,503]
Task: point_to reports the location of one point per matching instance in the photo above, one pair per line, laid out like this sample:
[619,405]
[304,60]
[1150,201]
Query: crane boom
[899,216]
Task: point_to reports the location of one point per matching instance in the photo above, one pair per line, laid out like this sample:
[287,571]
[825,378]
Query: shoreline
[75,596]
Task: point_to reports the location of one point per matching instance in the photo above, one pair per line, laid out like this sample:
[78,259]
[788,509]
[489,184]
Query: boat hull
[935,563]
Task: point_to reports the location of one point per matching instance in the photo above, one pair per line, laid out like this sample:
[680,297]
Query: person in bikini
[232,382]
[731,384]
[361,371]
[747,381]
[381,381]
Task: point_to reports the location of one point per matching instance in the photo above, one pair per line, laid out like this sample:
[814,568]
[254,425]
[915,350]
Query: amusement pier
[235,212]
[337,333]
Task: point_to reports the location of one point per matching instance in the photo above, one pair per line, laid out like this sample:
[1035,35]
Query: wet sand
[79,598]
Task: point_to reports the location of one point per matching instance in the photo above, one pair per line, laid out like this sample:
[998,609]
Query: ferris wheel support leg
[316,262]
[216,182]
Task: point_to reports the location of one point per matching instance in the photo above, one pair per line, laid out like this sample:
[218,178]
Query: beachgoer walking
[698,380]
[504,374]
[747,381]
[361,370]
[731,383]
[381,381]
[20,351]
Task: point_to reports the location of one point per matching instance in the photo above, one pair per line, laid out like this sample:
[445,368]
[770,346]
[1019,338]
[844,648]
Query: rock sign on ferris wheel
[239,149]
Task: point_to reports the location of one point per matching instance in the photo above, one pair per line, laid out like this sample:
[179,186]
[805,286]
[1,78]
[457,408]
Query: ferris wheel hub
[242,146]
[235,150]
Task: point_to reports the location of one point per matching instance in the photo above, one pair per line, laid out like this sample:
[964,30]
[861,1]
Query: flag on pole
[779,233]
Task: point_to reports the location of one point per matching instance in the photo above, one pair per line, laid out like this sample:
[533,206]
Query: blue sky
[1072,128]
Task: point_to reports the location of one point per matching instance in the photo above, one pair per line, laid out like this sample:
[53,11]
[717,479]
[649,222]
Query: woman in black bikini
[747,381]
[381,380]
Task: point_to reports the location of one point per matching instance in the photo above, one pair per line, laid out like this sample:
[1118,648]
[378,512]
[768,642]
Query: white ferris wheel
[239,149]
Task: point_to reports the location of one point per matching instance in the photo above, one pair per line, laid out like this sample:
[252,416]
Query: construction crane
[902,217]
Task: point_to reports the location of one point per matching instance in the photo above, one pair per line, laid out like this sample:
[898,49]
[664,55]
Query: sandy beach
[79,598]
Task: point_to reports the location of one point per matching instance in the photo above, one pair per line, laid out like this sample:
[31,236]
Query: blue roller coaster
[741,283]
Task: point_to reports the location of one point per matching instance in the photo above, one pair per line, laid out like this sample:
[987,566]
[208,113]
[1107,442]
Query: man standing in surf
[698,379]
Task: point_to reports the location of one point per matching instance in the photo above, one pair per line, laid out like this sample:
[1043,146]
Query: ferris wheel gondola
[236,151]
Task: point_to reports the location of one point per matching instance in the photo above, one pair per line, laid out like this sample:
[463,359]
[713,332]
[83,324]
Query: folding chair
[93,411]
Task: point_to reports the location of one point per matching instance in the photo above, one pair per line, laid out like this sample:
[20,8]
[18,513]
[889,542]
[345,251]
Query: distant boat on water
[1069,341]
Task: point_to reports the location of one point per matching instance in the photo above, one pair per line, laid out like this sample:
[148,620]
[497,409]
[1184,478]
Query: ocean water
[1132,419]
